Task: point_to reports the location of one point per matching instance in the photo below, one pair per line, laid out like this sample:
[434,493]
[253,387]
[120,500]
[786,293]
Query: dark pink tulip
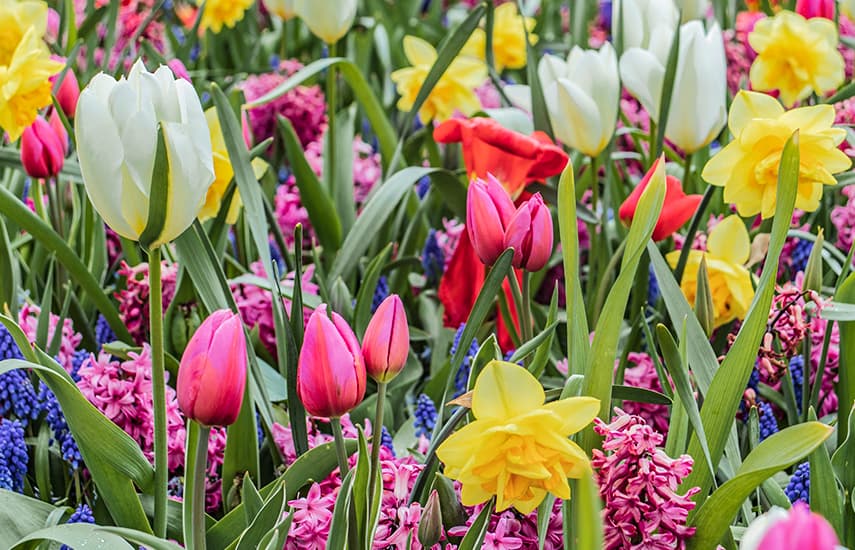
[488,210]
[68,91]
[331,371]
[387,340]
[212,374]
[815,8]
[43,147]
[178,69]
[800,530]
[530,234]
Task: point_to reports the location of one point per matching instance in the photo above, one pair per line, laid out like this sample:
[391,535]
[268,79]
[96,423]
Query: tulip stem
[158,383]
[520,303]
[330,156]
[341,453]
[693,229]
[525,318]
[376,437]
[687,172]
[196,460]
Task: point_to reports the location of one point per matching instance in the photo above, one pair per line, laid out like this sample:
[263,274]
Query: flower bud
[815,8]
[330,371]
[488,211]
[530,234]
[68,91]
[430,524]
[704,306]
[43,147]
[387,340]
[329,20]
[813,269]
[212,373]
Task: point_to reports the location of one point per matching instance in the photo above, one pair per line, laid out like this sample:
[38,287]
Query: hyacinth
[255,304]
[103,333]
[768,423]
[366,165]
[511,530]
[17,394]
[638,483]
[433,260]
[640,372]
[61,433]
[787,318]
[28,319]
[380,293]
[424,415]
[13,455]
[289,211]
[133,298]
[82,514]
[461,377]
[797,373]
[843,218]
[304,106]
[387,441]
[798,488]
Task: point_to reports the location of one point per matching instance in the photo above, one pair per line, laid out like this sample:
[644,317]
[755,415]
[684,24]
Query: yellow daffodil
[25,65]
[518,447]
[455,90]
[509,28]
[795,56]
[728,249]
[223,12]
[747,167]
[223,173]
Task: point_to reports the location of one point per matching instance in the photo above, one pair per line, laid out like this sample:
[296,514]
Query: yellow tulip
[518,448]
[509,48]
[728,249]
[219,13]
[796,56]
[455,90]
[747,167]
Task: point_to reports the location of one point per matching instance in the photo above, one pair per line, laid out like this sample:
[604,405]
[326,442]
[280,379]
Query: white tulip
[329,20]
[283,8]
[116,125]
[697,112]
[643,20]
[693,9]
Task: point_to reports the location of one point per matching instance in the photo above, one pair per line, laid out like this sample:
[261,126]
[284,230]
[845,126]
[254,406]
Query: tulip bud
[704,307]
[43,147]
[329,20]
[530,234]
[282,8]
[178,69]
[489,209]
[430,524]
[387,340]
[813,269]
[212,373]
[68,91]
[815,8]
[330,371]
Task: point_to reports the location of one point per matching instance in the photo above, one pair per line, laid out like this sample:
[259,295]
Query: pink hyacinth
[366,165]
[641,373]
[304,106]
[28,318]
[843,218]
[133,299]
[289,211]
[638,484]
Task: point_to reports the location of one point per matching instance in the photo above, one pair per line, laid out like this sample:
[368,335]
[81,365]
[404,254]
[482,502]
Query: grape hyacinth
[797,373]
[13,455]
[798,489]
[380,293]
[82,514]
[433,260]
[103,333]
[61,433]
[386,440]
[461,377]
[768,423]
[424,415]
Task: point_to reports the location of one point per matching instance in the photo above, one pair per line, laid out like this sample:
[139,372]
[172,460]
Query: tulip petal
[643,75]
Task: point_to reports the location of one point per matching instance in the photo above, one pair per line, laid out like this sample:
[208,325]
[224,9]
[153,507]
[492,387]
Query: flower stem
[341,453]
[158,383]
[690,236]
[330,156]
[525,334]
[377,434]
[687,172]
[525,316]
[194,488]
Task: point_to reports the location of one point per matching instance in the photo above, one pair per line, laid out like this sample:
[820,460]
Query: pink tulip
[330,371]
[815,8]
[43,147]
[178,69]
[488,211]
[530,234]
[387,340]
[800,530]
[68,91]
[212,373]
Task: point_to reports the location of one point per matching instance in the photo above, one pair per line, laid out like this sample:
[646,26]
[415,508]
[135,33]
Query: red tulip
[815,8]
[68,91]
[331,371]
[488,211]
[387,340]
[530,234]
[212,373]
[676,211]
[43,147]
[490,148]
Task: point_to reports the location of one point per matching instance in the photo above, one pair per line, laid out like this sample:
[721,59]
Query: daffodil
[223,173]
[517,448]
[747,167]
[25,65]
[509,30]
[223,12]
[728,249]
[795,56]
[455,90]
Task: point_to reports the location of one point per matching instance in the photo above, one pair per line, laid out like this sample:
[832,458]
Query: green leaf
[338,537]
[478,530]
[587,524]
[826,498]
[313,196]
[533,345]
[84,535]
[639,395]
[159,200]
[10,274]
[667,91]
[21,515]
[775,453]
[725,391]
[846,384]
[365,296]
[251,499]
[270,512]
[541,356]
[578,345]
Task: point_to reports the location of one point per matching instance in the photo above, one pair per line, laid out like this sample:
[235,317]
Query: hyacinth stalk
[158,392]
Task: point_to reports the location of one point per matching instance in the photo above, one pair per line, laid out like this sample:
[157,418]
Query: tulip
[693,9]
[815,8]
[795,529]
[697,112]
[488,211]
[643,21]
[387,340]
[117,140]
[677,209]
[43,147]
[69,90]
[329,20]
[178,69]
[285,9]
[530,234]
[330,371]
[212,373]
[430,523]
